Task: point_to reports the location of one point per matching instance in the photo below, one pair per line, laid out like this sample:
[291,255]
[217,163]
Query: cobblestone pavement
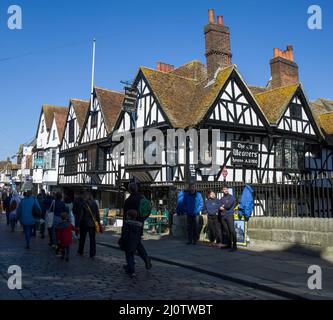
[45,276]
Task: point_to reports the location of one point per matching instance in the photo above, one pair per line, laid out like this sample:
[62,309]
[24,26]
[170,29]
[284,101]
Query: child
[64,234]
[130,242]
[14,203]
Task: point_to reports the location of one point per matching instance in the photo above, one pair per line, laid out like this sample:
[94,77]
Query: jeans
[7,218]
[228,224]
[214,229]
[27,233]
[92,238]
[192,228]
[12,224]
[130,257]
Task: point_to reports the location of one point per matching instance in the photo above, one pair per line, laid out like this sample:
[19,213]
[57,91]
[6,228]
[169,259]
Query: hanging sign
[131,97]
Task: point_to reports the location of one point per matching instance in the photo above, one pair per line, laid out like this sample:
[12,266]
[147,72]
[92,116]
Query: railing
[306,195]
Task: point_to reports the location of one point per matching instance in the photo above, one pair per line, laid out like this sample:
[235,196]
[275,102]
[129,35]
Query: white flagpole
[93,73]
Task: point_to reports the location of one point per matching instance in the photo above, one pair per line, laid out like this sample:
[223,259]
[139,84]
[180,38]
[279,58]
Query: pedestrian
[64,232]
[41,197]
[14,203]
[77,210]
[89,223]
[6,206]
[227,218]
[193,205]
[26,213]
[130,242]
[58,208]
[212,208]
[133,201]
[69,205]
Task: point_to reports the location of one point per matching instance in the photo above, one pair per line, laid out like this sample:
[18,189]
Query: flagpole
[93,73]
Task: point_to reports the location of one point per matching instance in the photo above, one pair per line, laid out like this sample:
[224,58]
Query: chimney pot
[158,66]
[211,16]
[220,20]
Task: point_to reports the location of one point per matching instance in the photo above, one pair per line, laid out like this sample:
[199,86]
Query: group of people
[64,220]
[220,214]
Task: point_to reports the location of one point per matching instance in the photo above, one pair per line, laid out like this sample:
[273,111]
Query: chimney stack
[284,71]
[164,67]
[218,50]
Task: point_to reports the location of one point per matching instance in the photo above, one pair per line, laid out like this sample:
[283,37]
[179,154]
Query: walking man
[24,214]
[227,218]
[193,204]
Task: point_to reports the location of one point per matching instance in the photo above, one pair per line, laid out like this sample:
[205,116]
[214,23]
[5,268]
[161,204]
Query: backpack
[144,209]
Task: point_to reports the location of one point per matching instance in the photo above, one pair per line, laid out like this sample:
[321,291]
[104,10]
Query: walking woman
[89,223]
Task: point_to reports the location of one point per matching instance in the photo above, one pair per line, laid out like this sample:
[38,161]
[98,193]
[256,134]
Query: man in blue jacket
[227,217]
[24,214]
[192,204]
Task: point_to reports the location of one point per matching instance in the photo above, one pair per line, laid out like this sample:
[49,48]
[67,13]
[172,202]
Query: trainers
[148,264]
[132,275]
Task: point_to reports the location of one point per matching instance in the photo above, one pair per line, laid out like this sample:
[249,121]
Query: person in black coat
[89,215]
[130,242]
[133,201]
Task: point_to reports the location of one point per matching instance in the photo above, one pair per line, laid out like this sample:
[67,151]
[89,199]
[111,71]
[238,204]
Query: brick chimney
[164,67]
[218,50]
[284,70]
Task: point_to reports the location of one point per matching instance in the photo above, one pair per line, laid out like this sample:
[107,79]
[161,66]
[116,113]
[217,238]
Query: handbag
[49,217]
[97,228]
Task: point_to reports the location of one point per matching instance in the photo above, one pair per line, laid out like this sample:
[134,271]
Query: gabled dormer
[102,115]
[76,116]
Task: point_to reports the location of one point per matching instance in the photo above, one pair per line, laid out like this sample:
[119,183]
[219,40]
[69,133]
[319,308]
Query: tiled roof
[194,70]
[81,108]
[327,104]
[274,102]
[49,111]
[111,104]
[326,122]
[60,118]
[184,100]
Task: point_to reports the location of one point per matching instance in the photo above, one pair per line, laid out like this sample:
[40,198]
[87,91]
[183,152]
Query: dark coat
[78,210]
[130,235]
[86,219]
[132,203]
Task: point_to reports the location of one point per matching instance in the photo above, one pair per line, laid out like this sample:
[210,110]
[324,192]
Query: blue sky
[58,35]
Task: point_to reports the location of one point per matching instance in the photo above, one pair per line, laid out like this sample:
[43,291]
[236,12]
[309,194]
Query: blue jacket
[228,202]
[192,203]
[247,202]
[180,203]
[24,211]
[212,207]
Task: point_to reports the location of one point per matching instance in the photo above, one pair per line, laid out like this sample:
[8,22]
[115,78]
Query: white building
[44,141]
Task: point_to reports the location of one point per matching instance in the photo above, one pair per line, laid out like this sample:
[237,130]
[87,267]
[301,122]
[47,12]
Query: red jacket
[64,233]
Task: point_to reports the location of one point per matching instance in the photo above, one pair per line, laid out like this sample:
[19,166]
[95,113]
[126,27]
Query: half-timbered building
[277,123]
[86,160]
[268,137]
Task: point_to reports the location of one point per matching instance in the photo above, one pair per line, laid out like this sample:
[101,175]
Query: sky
[49,60]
